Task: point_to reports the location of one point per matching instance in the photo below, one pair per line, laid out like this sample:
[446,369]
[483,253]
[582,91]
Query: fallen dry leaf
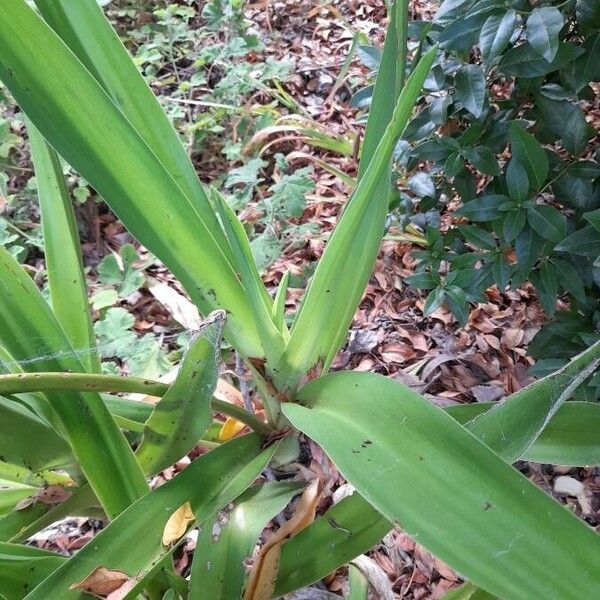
[230,429]
[261,582]
[101,582]
[177,524]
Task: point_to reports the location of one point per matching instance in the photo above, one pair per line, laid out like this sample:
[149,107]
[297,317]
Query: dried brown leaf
[101,582]
[177,524]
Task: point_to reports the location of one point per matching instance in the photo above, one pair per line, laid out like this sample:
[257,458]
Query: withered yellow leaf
[230,429]
[177,524]
[101,582]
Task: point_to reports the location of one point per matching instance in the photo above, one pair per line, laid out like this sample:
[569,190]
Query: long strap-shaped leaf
[389,83]
[22,567]
[353,526]
[224,546]
[88,33]
[513,425]
[347,529]
[132,543]
[64,263]
[30,332]
[333,295]
[78,118]
[19,427]
[448,490]
[183,414]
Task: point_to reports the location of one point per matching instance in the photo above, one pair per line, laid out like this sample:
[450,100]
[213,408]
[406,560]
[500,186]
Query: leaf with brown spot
[177,524]
[53,494]
[101,582]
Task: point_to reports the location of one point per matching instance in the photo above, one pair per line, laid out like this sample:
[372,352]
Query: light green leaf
[447,489]
[29,330]
[347,529]
[183,414]
[82,123]
[19,427]
[512,426]
[225,544]
[328,307]
[64,264]
[90,36]
[132,543]
[23,567]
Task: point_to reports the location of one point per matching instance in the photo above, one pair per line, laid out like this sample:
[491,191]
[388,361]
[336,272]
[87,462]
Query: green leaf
[423,281]
[125,276]
[462,33]
[183,414]
[517,181]
[588,13]
[482,209]
[470,90]
[569,278]
[526,413]
[114,332]
[477,236]
[528,151]
[32,335]
[434,300]
[77,117]
[64,264]
[546,286]
[23,567]
[570,437]
[542,29]
[468,591]
[347,529]
[523,61]
[514,221]
[19,427]
[583,242]
[496,33]
[225,544]
[242,253]
[288,195]
[358,584]
[322,322]
[389,82]
[548,222]
[90,36]
[447,489]
[575,136]
[132,542]
[483,159]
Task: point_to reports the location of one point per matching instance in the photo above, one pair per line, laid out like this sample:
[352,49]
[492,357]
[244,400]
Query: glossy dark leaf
[513,224]
[524,61]
[517,181]
[528,151]
[543,26]
[496,33]
[482,209]
[583,242]
[470,89]
[483,159]
[548,222]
